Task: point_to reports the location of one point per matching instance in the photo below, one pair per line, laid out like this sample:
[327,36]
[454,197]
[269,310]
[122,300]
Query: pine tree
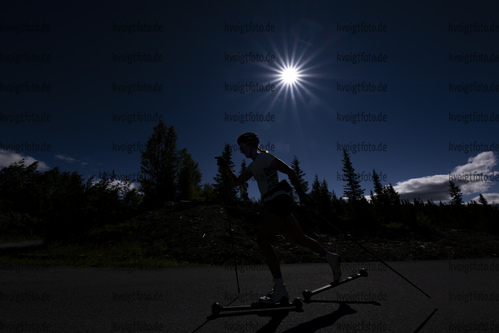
[333,196]
[325,195]
[482,200]
[352,188]
[15,181]
[243,188]
[316,190]
[224,191]
[316,185]
[455,194]
[208,193]
[321,196]
[392,197]
[295,165]
[189,177]
[378,196]
[159,165]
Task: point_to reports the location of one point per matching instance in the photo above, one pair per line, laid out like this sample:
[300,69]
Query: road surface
[464,298]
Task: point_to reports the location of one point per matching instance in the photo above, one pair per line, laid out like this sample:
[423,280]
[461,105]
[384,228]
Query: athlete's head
[249,139]
[248,144]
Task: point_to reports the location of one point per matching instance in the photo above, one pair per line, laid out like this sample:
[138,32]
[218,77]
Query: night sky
[411,90]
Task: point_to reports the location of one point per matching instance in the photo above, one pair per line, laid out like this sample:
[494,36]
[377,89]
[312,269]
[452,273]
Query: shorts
[281,206]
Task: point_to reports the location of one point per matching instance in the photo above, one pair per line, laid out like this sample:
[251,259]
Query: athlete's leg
[269,227]
[293,230]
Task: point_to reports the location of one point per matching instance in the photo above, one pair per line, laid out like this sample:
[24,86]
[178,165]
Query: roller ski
[307,294]
[257,307]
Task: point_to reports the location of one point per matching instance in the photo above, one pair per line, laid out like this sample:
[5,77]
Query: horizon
[461,179]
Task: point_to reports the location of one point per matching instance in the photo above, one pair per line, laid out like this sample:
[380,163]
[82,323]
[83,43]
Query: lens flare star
[289,75]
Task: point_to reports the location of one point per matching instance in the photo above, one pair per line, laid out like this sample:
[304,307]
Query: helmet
[250,139]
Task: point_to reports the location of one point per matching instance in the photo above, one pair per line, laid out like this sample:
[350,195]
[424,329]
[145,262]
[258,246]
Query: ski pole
[374,255]
[224,191]
[233,253]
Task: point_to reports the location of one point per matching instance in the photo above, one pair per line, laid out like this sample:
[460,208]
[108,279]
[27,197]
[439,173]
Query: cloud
[121,184]
[425,188]
[69,159]
[65,158]
[492,198]
[476,176]
[7,158]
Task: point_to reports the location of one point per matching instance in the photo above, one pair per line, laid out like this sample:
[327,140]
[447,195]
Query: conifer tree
[325,194]
[352,188]
[208,193]
[482,200]
[243,188]
[378,188]
[455,193]
[159,165]
[316,185]
[392,197]
[224,191]
[333,196]
[189,177]
[295,165]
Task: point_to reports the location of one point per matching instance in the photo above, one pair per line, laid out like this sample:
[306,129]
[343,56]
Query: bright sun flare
[289,75]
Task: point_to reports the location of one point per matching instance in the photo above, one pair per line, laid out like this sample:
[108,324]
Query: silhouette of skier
[278,205]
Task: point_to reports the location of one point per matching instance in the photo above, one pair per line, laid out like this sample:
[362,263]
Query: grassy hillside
[182,234]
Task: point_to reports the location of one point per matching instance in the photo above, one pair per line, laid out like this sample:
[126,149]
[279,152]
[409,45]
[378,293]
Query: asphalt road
[464,298]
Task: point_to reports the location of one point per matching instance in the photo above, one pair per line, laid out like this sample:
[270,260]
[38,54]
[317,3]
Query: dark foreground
[464,298]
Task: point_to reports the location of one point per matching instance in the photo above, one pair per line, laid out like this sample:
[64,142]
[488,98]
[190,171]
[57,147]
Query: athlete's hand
[221,162]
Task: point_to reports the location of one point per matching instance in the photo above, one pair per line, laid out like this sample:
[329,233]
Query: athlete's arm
[233,179]
[284,168]
[236,181]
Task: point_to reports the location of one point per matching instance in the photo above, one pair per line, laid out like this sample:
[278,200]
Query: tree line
[62,205]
